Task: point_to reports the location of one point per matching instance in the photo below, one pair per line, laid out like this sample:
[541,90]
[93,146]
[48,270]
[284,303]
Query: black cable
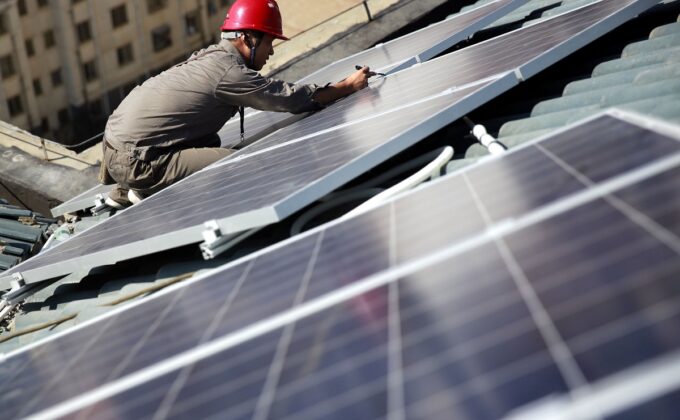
[92,140]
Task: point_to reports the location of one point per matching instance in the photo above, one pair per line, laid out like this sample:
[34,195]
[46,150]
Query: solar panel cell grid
[578,250]
[515,185]
[459,356]
[189,210]
[430,209]
[657,197]
[369,232]
[662,408]
[450,333]
[386,56]
[609,147]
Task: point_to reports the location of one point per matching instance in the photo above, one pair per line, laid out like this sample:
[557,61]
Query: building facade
[66,64]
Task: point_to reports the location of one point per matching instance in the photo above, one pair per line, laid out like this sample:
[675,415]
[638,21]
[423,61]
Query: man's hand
[359,79]
[353,83]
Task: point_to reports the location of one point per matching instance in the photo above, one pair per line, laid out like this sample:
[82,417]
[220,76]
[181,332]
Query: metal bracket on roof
[100,205]
[19,290]
[216,242]
[519,75]
[10,300]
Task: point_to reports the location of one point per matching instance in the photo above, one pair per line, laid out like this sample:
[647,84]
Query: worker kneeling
[166,129]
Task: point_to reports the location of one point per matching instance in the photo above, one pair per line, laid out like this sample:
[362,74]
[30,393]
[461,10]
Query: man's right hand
[359,79]
[353,83]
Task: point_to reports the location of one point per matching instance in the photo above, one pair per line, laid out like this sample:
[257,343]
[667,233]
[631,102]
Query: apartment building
[66,64]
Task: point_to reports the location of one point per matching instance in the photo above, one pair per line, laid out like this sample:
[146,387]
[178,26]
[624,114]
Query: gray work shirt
[194,99]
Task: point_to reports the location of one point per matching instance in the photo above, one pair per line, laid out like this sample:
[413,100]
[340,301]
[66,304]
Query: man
[166,129]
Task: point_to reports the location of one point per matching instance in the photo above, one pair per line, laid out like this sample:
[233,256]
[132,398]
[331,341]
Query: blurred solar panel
[313,157]
[392,56]
[357,285]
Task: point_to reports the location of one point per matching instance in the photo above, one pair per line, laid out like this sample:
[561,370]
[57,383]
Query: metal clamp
[11,299]
[100,205]
[215,242]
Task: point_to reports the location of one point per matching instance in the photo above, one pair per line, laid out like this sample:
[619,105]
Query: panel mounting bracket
[11,299]
[100,205]
[16,281]
[215,242]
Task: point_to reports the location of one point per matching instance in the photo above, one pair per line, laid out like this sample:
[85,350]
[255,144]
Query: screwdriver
[358,67]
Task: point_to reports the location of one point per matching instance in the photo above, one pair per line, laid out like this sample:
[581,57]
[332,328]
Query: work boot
[118,198]
[135,196]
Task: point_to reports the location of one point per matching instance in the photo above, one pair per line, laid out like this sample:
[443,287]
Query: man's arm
[241,86]
[355,82]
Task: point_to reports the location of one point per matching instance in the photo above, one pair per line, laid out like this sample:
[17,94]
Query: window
[37,87]
[83,31]
[153,6]
[3,24]
[7,66]
[15,106]
[21,4]
[212,7]
[56,78]
[30,50]
[63,116]
[125,55]
[119,16]
[161,38]
[90,71]
[43,3]
[191,23]
[48,36]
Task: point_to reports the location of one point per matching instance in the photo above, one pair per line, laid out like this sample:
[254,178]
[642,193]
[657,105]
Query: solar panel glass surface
[459,336]
[350,138]
[550,255]
[397,54]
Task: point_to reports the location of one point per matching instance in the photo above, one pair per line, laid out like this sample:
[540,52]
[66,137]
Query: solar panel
[415,47]
[336,281]
[312,157]
[81,201]
[392,56]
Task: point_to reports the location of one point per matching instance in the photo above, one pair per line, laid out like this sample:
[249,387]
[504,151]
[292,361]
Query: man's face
[263,52]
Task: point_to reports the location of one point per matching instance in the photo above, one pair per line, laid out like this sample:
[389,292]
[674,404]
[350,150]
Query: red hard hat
[257,15]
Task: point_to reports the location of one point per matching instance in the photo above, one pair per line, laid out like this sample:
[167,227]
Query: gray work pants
[149,177]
